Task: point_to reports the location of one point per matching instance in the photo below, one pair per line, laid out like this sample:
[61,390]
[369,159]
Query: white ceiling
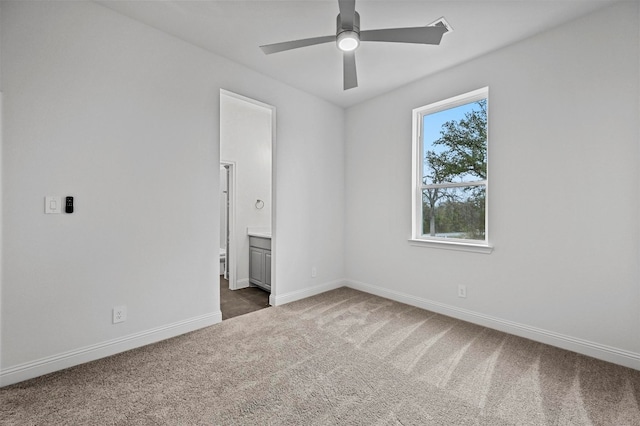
[235,29]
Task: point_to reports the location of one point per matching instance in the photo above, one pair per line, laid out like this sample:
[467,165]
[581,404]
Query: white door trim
[231,256]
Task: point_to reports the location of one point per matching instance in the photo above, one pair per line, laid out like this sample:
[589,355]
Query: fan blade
[423,35]
[347,13]
[349,74]
[288,45]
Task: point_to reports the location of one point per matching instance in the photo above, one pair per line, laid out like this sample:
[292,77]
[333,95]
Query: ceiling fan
[348,37]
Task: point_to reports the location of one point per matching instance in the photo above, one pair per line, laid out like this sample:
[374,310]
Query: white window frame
[417,236]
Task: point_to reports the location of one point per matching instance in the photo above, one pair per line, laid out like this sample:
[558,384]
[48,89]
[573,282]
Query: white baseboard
[244,283]
[68,359]
[581,346]
[282,299]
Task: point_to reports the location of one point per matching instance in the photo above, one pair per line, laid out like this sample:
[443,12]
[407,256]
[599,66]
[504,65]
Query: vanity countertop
[259,233]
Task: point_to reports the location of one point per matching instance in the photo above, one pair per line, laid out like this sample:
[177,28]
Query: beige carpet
[340,358]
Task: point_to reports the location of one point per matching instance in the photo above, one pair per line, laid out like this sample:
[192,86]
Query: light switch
[52,205]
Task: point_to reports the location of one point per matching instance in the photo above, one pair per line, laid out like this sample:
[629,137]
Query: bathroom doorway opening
[247,194]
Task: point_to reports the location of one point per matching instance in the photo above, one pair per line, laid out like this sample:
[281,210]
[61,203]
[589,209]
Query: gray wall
[563,191]
[126,119]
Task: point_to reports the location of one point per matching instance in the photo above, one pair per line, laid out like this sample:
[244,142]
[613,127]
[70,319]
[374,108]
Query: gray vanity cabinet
[260,262]
[267,269]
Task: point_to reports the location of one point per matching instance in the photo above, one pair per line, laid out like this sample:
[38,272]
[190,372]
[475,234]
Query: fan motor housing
[356,24]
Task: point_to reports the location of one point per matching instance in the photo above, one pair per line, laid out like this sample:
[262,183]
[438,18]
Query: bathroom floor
[234,303]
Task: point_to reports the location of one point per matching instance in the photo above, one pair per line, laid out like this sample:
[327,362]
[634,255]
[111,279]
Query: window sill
[450,245]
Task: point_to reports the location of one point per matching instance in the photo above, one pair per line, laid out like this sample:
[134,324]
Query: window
[450,172]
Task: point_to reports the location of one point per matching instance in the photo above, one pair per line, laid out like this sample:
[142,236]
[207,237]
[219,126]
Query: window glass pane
[454,212]
[454,144]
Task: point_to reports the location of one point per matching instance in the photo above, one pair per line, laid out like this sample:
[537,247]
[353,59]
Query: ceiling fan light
[348,41]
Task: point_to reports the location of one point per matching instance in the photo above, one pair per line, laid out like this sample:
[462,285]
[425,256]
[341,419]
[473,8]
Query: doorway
[247,138]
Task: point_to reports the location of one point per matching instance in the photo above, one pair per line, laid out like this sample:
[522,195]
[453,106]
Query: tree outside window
[453,181]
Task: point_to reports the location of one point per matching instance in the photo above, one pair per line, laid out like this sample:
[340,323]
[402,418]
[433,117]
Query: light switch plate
[52,205]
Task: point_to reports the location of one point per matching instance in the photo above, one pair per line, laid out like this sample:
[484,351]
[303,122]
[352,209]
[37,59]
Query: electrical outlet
[119,314]
[314,272]
[462,290]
